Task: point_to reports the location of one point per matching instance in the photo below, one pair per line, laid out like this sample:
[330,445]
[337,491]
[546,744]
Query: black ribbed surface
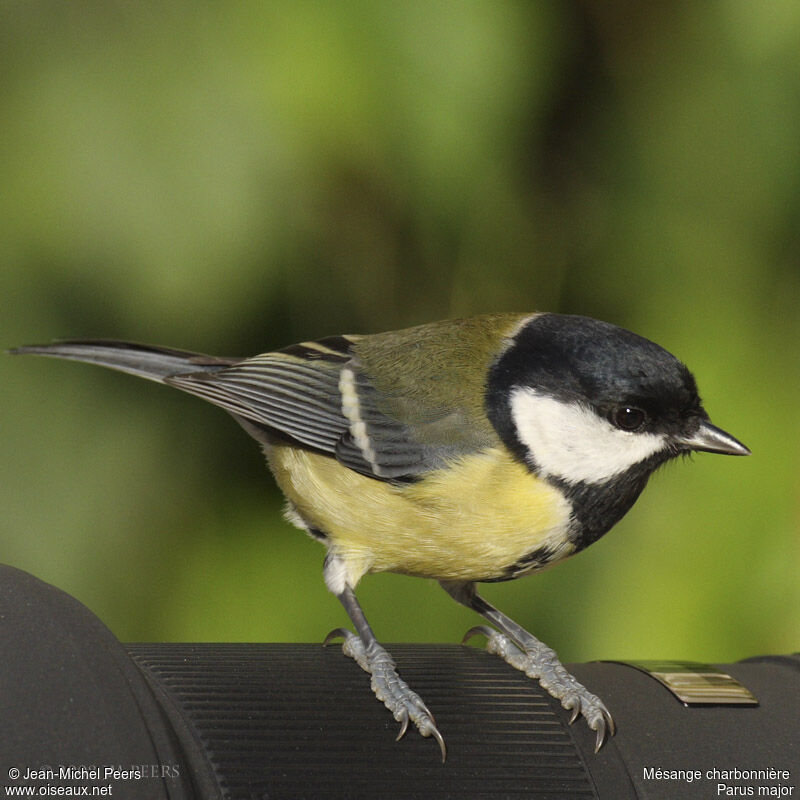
[300,721]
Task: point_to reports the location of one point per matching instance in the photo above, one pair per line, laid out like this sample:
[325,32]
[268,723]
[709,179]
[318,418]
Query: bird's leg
[526,653]
[388,686]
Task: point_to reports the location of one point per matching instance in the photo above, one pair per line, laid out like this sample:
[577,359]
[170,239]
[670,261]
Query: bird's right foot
[541,663]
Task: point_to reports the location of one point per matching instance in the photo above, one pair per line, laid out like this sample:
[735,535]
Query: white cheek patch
[569,441]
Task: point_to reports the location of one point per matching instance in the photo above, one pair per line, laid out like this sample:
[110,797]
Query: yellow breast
[467,522]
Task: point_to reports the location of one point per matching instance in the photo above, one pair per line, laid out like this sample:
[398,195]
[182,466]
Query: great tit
[466,450]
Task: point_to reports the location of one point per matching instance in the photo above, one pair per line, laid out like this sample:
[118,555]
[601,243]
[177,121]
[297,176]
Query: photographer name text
[72,772]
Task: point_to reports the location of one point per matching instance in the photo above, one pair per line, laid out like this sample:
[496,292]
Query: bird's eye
[627,418]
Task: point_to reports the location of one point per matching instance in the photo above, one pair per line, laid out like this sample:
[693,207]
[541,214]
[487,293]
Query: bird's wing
[293,391]
[398,438]
[317,394]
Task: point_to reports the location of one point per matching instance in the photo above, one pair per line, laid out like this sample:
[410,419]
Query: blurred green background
[234,177]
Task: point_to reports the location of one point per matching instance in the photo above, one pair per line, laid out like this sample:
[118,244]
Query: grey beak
[711,439]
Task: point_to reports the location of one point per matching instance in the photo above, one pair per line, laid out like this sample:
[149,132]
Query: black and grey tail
[294,393]
[146,361]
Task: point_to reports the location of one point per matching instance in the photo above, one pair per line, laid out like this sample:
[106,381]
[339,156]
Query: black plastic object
[259,721]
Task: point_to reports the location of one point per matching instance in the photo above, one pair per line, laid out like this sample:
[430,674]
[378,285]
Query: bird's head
[584,402]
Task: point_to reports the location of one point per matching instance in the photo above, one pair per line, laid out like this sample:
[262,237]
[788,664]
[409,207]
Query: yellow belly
[467,522]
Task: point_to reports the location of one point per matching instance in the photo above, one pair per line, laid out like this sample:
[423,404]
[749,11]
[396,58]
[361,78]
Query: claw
[601,737]
[403,726]
[576,712]
[427,711]
[438,736]
[604,725]
[337,633]
[478,630]
[605,730]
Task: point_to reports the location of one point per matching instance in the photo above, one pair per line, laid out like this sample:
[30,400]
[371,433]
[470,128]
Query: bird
[466,451]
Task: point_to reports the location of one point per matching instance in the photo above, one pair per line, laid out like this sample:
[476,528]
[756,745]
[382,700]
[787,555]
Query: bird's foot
[541,663]
[388,686]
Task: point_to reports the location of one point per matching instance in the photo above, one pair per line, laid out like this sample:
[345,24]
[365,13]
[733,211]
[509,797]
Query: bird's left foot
[404,703]
[541,663]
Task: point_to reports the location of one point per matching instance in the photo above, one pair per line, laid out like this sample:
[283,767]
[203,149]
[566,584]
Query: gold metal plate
[695,683]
